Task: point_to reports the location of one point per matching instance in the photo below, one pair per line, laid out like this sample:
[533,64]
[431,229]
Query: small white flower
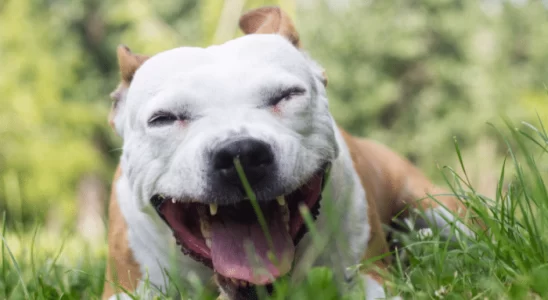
[442,291]
[425,233]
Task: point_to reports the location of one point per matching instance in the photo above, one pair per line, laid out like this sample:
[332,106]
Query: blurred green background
[411,74]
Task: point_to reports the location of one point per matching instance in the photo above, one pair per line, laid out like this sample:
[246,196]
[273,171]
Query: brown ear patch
[128,62]
[270,19]
[324,78]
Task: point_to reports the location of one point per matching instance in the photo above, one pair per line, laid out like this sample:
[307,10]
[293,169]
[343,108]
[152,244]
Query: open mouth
[231,239]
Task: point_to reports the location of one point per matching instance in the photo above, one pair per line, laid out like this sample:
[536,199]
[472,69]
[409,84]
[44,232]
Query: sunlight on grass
[507,259]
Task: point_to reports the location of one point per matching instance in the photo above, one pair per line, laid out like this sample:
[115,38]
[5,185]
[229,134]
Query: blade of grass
[459,155]
[3,253]
[16,266]
[32,262]
[255,205]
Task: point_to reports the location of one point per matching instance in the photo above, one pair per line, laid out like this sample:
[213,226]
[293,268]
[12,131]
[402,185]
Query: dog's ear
[270,19]
[273,20]
[128,62]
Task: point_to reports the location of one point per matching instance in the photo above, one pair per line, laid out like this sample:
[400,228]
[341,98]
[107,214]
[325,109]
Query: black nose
[255,156]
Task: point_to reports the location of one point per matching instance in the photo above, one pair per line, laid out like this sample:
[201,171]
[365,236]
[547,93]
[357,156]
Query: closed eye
[285,95]
[162,119]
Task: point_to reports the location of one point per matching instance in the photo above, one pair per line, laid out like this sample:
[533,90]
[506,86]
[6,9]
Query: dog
[214,136]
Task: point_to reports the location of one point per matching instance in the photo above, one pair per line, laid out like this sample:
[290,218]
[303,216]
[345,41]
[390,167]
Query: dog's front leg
[374,288]
[377,247]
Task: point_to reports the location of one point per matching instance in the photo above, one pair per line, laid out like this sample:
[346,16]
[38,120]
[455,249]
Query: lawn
[509,260]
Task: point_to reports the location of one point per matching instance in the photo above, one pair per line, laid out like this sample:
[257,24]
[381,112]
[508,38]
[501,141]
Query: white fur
[373,290]
[444,220]
[220,88]
[120,296]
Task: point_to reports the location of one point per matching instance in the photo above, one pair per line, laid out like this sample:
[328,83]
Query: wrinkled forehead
[247,57]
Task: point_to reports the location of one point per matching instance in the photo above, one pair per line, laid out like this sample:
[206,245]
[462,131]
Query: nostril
[260,157]
[223,160]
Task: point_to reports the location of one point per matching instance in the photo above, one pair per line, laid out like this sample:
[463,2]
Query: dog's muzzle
[226,232]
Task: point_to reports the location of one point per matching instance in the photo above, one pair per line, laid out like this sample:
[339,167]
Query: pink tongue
[231,260]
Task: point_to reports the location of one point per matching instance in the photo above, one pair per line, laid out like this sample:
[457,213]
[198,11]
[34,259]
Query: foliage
[415,74]
[507,258]
[50,132]
[408,73]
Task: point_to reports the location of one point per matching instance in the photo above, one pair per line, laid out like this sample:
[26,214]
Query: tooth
[281,200]
[243,283]
[234,281]
[208,242]
[172,200]
[285,214]
[205,228]
[213,209]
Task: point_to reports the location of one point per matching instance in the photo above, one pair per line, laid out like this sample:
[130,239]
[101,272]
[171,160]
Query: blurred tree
[48,131]
[411,74]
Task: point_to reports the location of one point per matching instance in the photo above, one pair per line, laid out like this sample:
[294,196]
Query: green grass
[508,261]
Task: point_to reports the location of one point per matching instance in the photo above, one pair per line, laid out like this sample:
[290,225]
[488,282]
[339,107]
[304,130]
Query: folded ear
[128,63]
[270,19]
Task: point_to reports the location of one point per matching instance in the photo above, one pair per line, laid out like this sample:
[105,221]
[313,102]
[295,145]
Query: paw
[373,289]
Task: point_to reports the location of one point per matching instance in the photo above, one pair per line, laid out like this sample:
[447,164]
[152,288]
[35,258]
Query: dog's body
[182,114]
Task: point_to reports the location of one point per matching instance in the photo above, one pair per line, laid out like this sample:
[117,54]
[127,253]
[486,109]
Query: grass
[509,260]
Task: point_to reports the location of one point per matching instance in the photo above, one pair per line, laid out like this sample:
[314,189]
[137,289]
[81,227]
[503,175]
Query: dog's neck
[343,209]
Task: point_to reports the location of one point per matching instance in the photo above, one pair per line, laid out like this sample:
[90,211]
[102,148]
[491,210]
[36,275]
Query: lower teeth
[284,210]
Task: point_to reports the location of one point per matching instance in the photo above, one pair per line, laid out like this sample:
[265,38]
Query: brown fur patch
[122,269]
[393,185]
[270,19]
[128,64]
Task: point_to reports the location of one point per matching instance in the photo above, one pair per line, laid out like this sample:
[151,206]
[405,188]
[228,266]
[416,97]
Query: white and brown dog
[186,114]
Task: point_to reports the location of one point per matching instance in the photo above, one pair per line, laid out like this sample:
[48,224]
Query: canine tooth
[172,200]
[205,228]
[285,214]
[208,242]
[281,200]
[213,209]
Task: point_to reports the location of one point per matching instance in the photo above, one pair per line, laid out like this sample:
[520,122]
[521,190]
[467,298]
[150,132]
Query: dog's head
[186,115]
